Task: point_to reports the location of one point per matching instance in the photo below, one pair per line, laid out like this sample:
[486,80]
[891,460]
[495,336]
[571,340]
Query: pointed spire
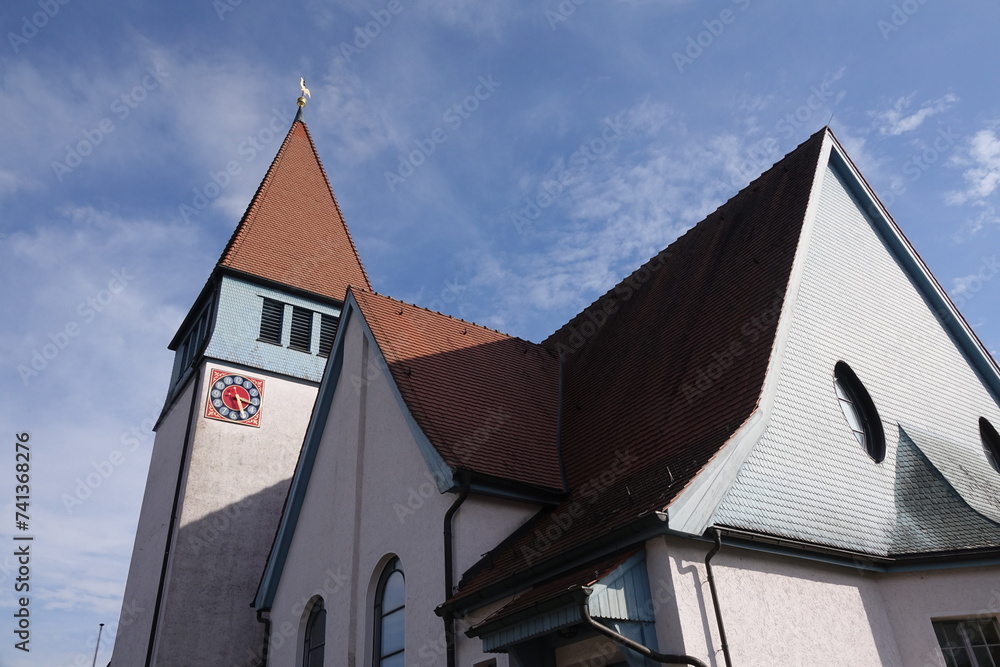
[293,231]
[302,98]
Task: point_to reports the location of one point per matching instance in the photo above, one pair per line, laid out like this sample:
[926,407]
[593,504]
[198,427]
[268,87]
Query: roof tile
[486,401]
[661,370]
[293,232]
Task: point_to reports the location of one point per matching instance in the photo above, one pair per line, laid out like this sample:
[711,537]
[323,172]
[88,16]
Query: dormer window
[860,412]
[991,442]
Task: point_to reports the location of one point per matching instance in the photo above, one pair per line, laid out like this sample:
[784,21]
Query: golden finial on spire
[305,93]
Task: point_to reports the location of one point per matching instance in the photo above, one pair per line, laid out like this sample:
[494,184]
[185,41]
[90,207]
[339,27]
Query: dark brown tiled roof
[664,368]
[552,590]
[293,232]
[485,400]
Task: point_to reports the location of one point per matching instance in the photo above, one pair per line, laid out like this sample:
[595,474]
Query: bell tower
[248,360]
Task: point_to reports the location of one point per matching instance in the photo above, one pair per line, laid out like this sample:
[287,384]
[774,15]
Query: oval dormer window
[991,442]
[859,409]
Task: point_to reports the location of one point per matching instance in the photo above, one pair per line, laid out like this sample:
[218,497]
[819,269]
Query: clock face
[236,398]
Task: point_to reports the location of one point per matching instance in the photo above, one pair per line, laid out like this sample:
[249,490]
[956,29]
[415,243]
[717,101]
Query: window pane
[983,658]
[841,393]
[851,412]
[397,660]
[315,658]
[392,632]
[271,319]
[317,629]
[989,632]
[301,337]
[394,595]
[947,633]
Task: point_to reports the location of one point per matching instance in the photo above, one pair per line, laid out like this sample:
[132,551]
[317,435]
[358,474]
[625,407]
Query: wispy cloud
[901,118]
[981,159]
[653,184]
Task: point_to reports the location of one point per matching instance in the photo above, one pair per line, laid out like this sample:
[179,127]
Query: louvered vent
[327,332]
[301,338]
[270,321]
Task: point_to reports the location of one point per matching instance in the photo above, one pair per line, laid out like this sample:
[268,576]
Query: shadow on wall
[218,563]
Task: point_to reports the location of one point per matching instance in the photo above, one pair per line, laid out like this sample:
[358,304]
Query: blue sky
[587,136]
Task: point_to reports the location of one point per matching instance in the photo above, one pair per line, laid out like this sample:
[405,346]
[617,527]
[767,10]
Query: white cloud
[899,119]
[981,157]
[612,214]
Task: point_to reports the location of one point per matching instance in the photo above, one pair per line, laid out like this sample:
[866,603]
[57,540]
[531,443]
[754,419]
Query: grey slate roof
[932,514]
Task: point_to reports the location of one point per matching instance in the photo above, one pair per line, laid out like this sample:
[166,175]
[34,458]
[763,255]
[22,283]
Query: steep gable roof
[646,401]
[486,401]
[293,232]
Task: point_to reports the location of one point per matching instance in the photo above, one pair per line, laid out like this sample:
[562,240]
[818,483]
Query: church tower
[248,360]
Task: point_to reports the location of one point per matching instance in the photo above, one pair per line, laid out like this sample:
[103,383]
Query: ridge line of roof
[333,196]
[674,244]
[455,319]
[412,398]
[240,233]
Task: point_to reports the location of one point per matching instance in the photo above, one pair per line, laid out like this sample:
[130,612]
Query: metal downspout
[715,596]
[449,558]
[267,633]
[628,643]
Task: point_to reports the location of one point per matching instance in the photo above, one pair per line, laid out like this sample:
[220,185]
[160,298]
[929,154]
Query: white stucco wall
[915,599]
[783,611]
[131,640]
[235,483]
[370,496]
[777,611]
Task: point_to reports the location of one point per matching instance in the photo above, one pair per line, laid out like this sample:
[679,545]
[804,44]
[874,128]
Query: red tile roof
[665,367]
[293,232]
[488,402]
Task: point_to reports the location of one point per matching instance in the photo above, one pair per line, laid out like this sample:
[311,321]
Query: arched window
[315,640]
[390,600]
[859,409]
[991,442]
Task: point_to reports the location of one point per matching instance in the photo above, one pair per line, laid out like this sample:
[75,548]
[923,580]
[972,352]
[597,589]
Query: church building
[774,443]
